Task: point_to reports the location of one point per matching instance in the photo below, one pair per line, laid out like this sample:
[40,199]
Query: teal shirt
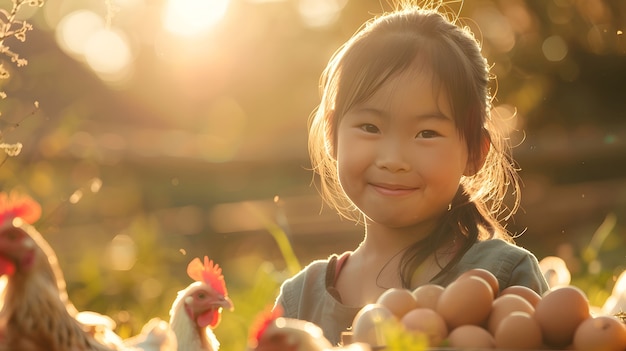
[305,296]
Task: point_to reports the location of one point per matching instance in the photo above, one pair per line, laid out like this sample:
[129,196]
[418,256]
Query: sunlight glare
[121,253]
[496,28]
[75,29]
[108,53]
[192,17]
[320,13]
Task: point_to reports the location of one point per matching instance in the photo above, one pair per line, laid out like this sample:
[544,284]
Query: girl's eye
[370,128]
[427,134]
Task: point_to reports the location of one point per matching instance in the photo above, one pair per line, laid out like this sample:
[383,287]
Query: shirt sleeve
[528,273]
[298,294]
[305,297]
[511,264]
[287,297]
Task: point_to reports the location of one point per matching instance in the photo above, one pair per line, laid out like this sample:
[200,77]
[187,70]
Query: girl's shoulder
[313,274]
[315,268]
[495,252]
[497,247]
[307,287]
[510,263]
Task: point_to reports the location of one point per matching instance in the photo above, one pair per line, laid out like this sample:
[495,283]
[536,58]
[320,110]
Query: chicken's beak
[225,303]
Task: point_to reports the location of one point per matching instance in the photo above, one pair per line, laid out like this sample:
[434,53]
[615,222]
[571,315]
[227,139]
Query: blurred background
[157,131]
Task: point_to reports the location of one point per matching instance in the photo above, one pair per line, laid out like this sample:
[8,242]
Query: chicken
[156,335]
[272,332]
[36,313]
[197,309]
[555,271]
[616,303]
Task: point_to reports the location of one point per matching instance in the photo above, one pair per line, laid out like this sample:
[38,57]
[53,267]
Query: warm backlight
[192,17]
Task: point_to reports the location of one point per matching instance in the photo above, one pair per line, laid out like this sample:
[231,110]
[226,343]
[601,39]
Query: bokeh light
[495,28]
[554,48]
[320,13]
[75,29]
[188,119]
[121,253]
[83,34]
[107,52]
[192,17]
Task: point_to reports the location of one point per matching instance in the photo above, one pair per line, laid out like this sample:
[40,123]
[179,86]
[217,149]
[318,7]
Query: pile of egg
[472,313]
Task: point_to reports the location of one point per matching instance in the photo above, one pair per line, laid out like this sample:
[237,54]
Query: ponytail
[464,222]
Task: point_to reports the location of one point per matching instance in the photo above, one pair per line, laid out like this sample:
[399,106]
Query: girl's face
[399,155]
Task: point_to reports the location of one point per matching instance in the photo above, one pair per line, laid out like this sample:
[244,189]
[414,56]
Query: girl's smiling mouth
[392,189]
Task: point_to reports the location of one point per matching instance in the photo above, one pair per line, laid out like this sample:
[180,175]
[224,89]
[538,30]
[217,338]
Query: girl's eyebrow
[422,116]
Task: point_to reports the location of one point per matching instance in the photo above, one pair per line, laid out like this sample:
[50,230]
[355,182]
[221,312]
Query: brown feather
[37,314]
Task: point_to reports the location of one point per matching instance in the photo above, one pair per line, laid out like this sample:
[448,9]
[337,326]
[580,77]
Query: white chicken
[198,308]
[156,335]
[555,270]
[616,303]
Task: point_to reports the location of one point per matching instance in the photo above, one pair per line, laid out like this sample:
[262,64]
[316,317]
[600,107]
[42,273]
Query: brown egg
[527,293]
[486,275]
[601,333]
[427,295]
[518,330]
[471,337]
[398,301]
[465,301]
[428,322]
[504,305]
[367,326]
[559,312]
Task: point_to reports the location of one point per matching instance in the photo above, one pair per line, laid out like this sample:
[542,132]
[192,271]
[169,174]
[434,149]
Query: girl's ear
[476,163]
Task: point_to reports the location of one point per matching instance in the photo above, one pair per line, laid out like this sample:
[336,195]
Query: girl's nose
[392,156]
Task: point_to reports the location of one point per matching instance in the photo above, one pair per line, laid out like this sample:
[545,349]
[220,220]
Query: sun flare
[192,17]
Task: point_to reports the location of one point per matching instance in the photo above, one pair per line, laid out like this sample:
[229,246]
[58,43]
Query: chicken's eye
[202,295]
[277,338]
[12,234]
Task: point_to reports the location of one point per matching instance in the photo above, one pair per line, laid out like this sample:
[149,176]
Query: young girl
[403,142]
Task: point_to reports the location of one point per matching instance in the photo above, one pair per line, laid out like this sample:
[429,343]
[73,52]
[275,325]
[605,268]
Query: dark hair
[389,45]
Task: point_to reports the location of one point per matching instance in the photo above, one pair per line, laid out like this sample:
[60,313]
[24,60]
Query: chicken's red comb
[209,272]
[262,321]
[15,204]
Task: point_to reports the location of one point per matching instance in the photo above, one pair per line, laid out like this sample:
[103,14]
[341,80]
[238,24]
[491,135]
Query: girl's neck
[374,266]
[383,240]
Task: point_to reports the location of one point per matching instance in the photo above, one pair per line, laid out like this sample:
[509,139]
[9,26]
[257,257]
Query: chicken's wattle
[210,318]
[7,267]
